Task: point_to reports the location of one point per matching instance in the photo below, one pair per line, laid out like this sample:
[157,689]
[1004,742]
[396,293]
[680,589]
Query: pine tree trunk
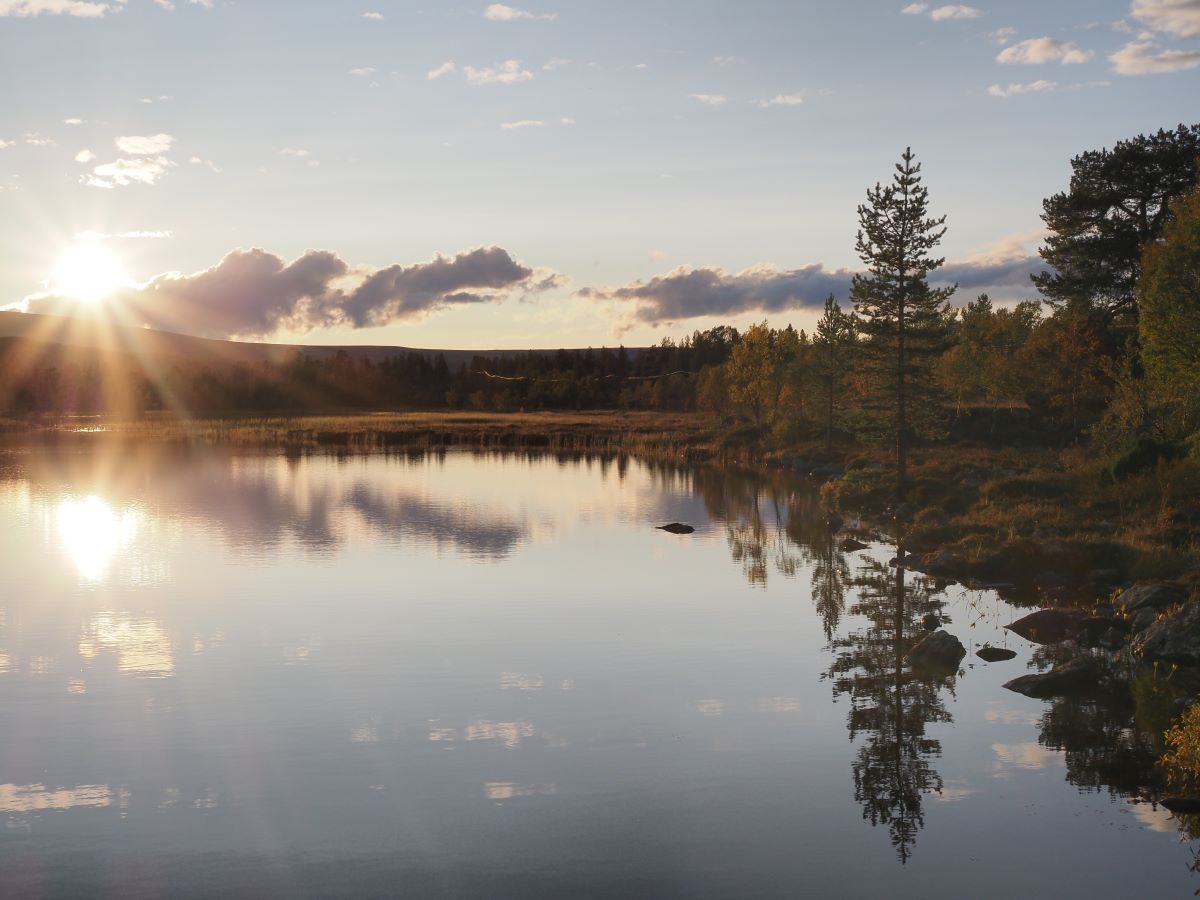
[829,421]
[901,409]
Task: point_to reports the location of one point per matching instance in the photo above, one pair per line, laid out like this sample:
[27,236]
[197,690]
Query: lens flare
[88,272]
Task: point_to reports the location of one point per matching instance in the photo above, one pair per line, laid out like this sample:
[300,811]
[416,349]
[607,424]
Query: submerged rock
[1080,676]
[677,528]
[850,545]
[931,622]
[1142,619]
[995,654]
[1174,638]
[1048,626]
[940,650]
[943,562]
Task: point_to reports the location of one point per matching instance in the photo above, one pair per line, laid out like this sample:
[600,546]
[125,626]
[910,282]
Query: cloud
[73,121]
[84,9]
[1178,17]
[295,153]
[145,170]
[1003,35]
[37,140]
[145,144]
[444,69]
[84,156]
[710,99]
[205,163]
[566,120]
[686,293]
[553,63]
[1032,87]
[373,16]
[1148,58]
[955,11]
[779,100]
[507,72]
[915,9]
[4,143]
[162,98]
[1035,51]
[523,123]
[499,12]
[363,72]
[256,293]
[727,61]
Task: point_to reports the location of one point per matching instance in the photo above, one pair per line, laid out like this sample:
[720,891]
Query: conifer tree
[903,319]
[832,344]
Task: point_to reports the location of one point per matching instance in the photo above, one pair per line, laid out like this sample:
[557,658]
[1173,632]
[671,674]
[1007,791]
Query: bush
[1142,456]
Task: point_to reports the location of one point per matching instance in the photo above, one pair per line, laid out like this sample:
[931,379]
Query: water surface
[480,675]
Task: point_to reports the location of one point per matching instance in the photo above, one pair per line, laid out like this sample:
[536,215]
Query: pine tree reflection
[891,706]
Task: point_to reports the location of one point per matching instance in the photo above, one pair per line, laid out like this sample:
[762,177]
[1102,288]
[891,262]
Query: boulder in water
[995,654]
[677,528]
[938,650]
[1079,677]
[1048,626]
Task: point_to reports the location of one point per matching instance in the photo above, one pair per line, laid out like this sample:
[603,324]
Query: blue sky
[732,139]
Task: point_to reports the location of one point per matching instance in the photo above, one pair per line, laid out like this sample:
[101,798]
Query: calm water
[480,675]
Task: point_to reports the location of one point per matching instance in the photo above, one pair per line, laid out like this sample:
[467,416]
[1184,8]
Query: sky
[548,173]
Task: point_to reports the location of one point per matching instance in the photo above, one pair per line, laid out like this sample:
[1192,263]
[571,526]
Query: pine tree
[904,320]
[832,344]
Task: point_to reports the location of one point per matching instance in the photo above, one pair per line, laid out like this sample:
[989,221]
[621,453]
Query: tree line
[1109,351]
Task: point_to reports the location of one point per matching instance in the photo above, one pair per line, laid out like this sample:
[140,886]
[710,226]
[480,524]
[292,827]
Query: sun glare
[88,272]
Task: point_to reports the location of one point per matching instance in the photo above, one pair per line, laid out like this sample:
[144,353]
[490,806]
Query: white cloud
[779,100]
[295,153]
[955,11]
[1032,87]
[566,120]
[4,143]
[73,121]
[373,16]
[84,156]
[1148,58]
[553,63]
[1035,51]
[1003,35]
[522,123]
[1178,17]
[499,12]
[363,72]
[727,61]
[144,144]
[507,72]
[206,163]
[710,99]
[444,69]
[84,9]
[915,9]
[33,139]
[162,98]
[145,170]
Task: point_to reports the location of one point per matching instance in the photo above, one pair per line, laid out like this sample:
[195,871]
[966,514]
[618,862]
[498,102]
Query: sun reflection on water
[92,532]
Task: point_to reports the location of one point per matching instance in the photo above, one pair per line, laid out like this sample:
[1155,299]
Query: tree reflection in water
[890,705]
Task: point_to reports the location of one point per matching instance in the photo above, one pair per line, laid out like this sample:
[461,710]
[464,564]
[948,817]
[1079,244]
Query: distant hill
[96,334]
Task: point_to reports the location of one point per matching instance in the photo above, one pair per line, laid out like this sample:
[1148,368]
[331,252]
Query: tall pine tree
[903,319]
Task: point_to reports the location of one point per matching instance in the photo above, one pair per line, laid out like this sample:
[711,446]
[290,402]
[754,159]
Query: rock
[1142,619]
[1150,596]
[850,545]
[1113,639]
[995,654]
[1184,806]
[1174,638]
[943,562]
[1048,626]
[939,650]
[1080,676]
[1090,629]
[834,521]
[677,528]
[931,622]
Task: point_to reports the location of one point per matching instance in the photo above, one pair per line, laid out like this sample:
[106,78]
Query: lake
[464,674]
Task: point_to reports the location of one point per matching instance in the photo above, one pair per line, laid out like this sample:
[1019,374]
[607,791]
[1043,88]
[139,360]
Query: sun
[88,272]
